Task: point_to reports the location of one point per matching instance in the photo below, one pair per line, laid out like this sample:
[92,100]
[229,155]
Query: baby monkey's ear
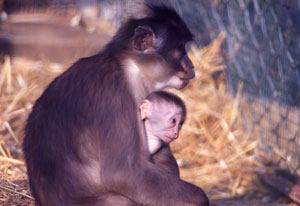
[145,109]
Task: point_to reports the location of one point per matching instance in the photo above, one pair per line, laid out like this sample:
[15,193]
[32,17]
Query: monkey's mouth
[185,82]
[169,139]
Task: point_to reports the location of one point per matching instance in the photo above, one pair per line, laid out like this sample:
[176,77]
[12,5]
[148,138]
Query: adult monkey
[84,141]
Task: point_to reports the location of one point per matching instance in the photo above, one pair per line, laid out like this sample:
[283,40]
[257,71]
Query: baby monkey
[163,115]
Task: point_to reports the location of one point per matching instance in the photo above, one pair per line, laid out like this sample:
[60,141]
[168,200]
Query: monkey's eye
[173,121]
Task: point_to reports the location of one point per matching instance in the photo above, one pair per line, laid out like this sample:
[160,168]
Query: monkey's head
[157,47]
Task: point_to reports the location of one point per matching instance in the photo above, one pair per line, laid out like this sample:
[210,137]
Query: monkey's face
[175,69]
[159,49]
[164,120]
[180,66]
[181,70]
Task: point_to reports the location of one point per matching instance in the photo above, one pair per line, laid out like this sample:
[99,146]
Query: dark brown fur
[84,142]
[164,159]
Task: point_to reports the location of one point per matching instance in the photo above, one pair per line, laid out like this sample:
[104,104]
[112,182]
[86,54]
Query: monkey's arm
[145,183]
[156,186]
[164,159]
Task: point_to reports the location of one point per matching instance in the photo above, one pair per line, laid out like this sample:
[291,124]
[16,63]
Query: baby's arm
[164,159]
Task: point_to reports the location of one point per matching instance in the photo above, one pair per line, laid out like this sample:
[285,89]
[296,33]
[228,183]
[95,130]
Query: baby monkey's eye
[173,121]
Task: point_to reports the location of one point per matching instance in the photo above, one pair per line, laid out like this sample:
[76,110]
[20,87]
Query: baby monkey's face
[165,121]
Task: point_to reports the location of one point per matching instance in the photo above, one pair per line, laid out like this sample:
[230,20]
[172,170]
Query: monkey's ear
[143,39]
[145,109]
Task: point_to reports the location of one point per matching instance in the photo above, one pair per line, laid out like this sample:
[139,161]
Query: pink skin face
[163,121]
[169,128]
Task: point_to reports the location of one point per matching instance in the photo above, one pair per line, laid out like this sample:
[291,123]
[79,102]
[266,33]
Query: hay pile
[212,150]
[21,82]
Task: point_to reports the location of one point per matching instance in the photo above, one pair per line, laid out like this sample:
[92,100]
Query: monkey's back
[73,117]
